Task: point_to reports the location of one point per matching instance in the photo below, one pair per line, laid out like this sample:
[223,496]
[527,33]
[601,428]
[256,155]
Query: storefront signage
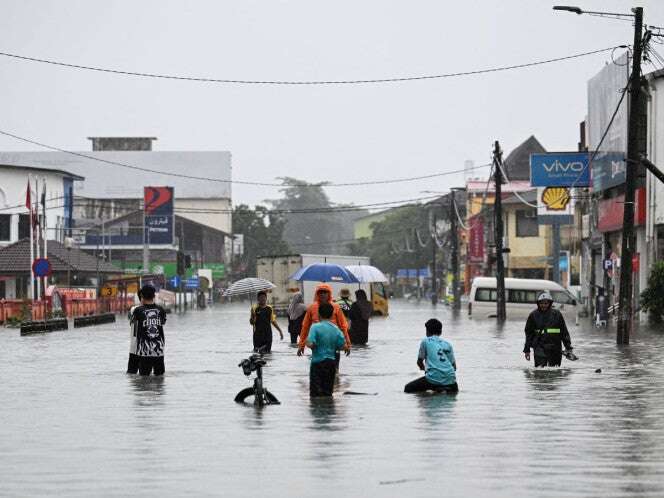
[559,169]
[611,211]
[555,206]
[608,170]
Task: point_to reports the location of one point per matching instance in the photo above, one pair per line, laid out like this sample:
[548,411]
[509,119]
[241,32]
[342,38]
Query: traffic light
[187,261]
[180,263]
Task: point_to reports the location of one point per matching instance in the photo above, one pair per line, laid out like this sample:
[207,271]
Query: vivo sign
[560,169]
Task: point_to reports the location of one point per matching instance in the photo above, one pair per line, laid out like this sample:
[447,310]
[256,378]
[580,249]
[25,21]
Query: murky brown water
[73,424]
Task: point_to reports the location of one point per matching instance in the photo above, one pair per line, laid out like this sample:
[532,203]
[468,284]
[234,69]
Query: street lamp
[69,243]
[579,11]
[625,301]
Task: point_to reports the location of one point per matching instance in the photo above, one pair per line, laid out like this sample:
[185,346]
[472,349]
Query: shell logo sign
[555,206]
[556,198]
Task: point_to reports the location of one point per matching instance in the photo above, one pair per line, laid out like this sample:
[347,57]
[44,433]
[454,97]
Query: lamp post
[625,300]
[69,243]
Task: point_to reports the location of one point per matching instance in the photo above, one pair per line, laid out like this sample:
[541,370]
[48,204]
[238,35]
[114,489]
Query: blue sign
[560,169]
[191,283]
[413,273]
[175,281]
[562,262]
[41,267]
[608,170]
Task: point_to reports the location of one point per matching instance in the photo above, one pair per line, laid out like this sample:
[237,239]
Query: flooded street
[73,423]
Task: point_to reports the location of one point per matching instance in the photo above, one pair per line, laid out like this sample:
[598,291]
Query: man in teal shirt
[436,358]
[324,339]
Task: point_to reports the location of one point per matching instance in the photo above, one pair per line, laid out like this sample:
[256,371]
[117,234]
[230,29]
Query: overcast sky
[337,133]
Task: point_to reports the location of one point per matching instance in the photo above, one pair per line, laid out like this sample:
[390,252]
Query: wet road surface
[73,423]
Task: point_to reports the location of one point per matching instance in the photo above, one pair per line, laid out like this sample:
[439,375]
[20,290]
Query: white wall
[13,184]
[219,218]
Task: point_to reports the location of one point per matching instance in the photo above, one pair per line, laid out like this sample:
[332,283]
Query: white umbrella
[248,286]
[367,273]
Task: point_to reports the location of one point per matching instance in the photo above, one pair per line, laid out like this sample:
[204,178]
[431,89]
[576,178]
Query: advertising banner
[555,206]
[476,239]
[158,209]
[560,169]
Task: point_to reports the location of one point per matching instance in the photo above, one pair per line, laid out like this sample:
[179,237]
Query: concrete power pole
[456,305]
[625,300]
[498,213]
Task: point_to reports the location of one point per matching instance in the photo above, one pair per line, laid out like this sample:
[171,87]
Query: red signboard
[611,211]
[476,242]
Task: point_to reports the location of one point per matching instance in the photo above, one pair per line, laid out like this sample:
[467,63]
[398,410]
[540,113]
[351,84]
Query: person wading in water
[546,332]
[323,295]
[360,312]
[344,302]
[262,318]
[296,311]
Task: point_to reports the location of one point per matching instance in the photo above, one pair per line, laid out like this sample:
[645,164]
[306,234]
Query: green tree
[315,224]
[263,236]
[652,299]
[401,240]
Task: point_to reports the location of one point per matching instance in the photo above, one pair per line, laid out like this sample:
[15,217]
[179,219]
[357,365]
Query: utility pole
[146,245]
[498,213]
[456,304]
[434,287]
[625,300]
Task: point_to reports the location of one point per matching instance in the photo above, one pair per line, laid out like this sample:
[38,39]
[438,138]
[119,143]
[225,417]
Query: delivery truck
[278,269]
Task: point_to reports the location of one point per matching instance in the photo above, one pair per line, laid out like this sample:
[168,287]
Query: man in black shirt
[546,333]
[149,320]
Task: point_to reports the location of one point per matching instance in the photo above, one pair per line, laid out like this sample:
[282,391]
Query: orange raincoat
[311,316]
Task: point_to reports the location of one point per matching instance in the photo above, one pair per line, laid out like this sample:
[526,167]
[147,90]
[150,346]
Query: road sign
[175,281]
[41,267]
[560,169]
[108,291]
[191,283]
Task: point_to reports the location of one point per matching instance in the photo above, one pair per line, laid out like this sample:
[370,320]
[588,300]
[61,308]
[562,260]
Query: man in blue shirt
[436,358]
[324,339]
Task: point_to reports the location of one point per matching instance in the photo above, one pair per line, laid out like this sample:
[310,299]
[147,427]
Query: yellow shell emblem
[556,198]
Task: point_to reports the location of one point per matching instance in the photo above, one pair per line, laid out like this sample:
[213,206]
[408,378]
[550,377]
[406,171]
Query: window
[5,226]
[561,297]
[522,296]
[23,226]
[526,223]
[486,295]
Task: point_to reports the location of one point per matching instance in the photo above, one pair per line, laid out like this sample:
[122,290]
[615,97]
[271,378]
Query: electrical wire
[237,182]
[300,83]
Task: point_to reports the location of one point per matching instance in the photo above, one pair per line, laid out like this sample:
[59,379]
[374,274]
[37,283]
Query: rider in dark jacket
[546,332]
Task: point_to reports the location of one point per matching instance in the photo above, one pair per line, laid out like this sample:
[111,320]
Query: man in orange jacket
[323,295]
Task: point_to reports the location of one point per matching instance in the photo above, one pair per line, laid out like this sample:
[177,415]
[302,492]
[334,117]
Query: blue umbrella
[324,272]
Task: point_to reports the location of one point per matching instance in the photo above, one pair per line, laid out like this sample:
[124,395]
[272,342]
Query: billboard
[559,169]
[158,211]
[555,206]
[604,93]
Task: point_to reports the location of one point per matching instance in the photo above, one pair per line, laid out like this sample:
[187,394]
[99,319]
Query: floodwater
[72,423]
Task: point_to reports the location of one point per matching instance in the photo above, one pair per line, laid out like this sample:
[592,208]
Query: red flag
[28,200]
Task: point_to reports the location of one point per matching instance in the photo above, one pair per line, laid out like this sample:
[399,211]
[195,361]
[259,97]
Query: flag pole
[43,198]
[38,251]
[28,202]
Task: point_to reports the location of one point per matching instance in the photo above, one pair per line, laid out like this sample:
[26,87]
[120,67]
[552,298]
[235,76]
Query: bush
[652,299]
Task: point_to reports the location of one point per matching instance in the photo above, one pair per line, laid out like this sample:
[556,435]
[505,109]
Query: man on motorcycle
[546,332]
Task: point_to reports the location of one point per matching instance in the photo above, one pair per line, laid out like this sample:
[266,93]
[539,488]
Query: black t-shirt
[149,320]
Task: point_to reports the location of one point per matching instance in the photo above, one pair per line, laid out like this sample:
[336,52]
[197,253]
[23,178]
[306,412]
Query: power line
[300,83]
[237,182]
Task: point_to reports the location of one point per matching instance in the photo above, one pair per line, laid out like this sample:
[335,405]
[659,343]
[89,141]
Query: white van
[520,298]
